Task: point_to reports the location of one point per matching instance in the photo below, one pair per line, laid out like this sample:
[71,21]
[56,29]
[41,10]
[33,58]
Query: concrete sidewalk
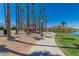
[47,44]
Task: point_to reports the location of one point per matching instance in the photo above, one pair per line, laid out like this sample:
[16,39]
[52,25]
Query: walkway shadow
[68,38]
[43,53]
[45,45]
[3,49]
[77,45]
[3,35]
[17,37]
[48,36]
[38,38]
[6,36]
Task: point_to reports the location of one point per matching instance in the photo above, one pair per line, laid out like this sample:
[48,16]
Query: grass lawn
[1,30]
[70,44]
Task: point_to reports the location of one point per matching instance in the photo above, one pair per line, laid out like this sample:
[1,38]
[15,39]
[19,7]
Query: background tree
[45,22]
[8,21]
[28,19]
[43,18]
[5,29]
[63,23]
[63,26]
[33,17]
[17,19]
[39,19]
[22,17]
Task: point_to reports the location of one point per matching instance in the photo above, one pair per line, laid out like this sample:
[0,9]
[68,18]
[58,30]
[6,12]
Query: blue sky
[56,12]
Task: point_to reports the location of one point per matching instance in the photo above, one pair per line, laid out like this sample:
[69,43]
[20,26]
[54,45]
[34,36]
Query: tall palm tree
[63,23]
[46,23]
[5,13]
[39,21]
[16,18]
[43,18]
[28,19]
[8,21]
[5,29]
[20,17]
[33,17]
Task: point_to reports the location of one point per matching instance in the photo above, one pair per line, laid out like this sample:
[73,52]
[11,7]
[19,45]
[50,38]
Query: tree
[22,17]
[39,21]
[63,23]
[5,29]
[43,18]
[46,23]
[5,13]
[16,19]
[33,17]
[28,19]
[8,21]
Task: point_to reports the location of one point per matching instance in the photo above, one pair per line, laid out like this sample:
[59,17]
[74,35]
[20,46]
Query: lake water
[74,34]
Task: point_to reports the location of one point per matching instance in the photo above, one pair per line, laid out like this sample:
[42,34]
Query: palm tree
[63,23]
[39,21]
[5,29]
[5,12]
[18,22]
[28,19]
[34,18]
[43,17]
[8,21]
[16,19]
[46,23]
[20,17]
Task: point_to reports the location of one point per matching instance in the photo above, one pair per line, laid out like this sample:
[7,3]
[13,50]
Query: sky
[56,12]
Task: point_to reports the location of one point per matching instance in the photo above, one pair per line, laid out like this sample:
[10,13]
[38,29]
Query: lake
[74,33]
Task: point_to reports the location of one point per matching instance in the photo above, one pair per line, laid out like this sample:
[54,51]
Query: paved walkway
[47,43]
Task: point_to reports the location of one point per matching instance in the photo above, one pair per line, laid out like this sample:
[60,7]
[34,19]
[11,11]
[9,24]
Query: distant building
[62,27]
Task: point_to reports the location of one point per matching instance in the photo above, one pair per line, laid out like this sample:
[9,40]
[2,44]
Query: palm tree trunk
[28,20]
[20,20]
[16,19]
[5,13]
[46,23]
[33,17]
[8,22]
[39,20]
[5,29]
